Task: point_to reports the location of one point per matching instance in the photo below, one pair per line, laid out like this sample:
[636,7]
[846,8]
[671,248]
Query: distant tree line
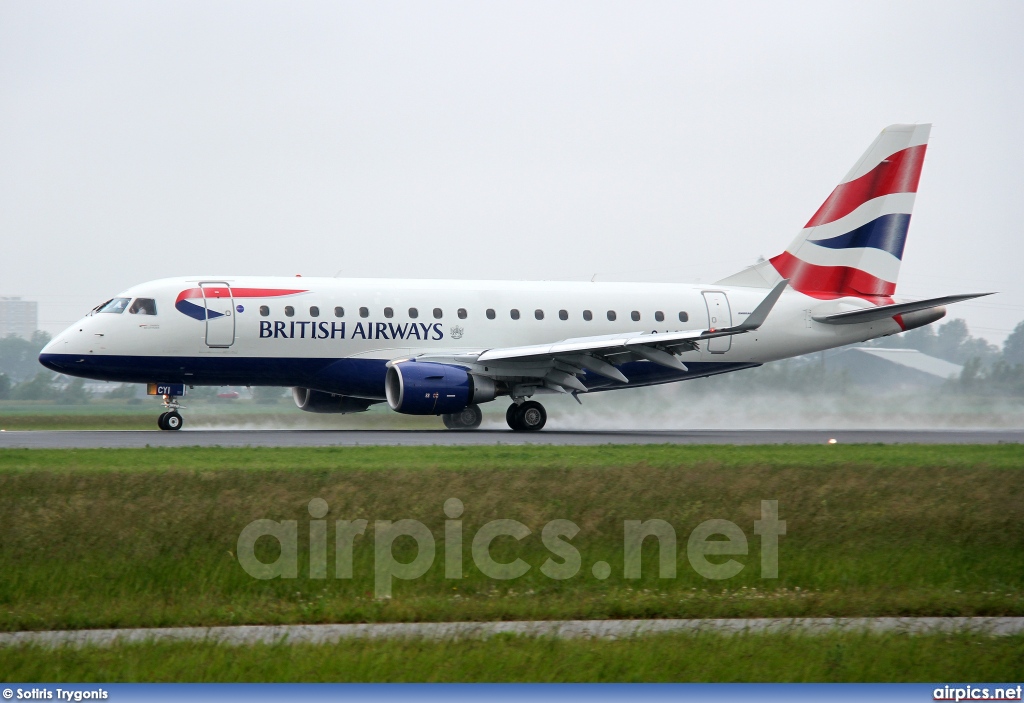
[22,378]
[986,367]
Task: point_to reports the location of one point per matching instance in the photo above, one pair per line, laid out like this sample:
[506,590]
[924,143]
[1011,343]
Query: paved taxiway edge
[562,629]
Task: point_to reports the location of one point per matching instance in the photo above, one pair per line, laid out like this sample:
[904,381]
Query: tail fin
[854,242]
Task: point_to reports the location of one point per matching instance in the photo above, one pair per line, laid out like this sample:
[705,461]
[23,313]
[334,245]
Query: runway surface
[563,629]
[113,439]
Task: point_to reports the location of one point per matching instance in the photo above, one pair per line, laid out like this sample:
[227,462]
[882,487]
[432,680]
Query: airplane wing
[556,366]
[851,317]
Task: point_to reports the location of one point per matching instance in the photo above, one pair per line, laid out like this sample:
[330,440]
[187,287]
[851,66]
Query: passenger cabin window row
[145,306]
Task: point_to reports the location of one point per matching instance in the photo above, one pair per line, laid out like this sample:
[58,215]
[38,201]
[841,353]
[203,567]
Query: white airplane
[436,347]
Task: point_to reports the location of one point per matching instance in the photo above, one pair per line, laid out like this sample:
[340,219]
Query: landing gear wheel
[468,419]
[161,420]
[528,417]
[172,421]
[531,416]
[510,416]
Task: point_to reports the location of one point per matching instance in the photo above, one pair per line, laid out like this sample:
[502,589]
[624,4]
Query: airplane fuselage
[337,335]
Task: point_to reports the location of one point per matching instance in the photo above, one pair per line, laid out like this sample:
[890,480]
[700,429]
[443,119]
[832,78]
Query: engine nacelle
[427,388]
[320,402]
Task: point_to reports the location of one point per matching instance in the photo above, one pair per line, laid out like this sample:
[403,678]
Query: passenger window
[437,313]
[683,317]
[414,313]
[289,310]
[264,310]
[611,316]
[563,314]
[339,312]
[462,313]
[634,316]
[539,314]
[514,313]
[143,306]
[116,306]
[490,313]
[659,316]
[314,311]
[389,313]
[364,312]
[587,315]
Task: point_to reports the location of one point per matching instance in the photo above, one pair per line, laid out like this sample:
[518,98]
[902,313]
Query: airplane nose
[49,361]
[51,355]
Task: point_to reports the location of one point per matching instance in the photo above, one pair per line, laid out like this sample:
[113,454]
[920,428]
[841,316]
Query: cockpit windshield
[143,306]
[117,305]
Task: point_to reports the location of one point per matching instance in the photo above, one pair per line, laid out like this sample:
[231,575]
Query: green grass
[706,459]
[662,658]
[118,538]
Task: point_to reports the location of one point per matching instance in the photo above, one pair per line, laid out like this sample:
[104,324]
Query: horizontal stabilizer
[852,317]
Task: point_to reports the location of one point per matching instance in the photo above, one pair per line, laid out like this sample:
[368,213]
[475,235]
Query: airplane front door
[719,317]
[220,314]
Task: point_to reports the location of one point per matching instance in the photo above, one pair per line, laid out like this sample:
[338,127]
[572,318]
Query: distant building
[891,368]
[18,317]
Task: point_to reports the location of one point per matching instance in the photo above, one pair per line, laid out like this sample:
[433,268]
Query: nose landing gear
[526,417]
[170,421]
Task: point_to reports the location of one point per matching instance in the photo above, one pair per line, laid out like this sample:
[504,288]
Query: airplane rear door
[220,314]
[719,316]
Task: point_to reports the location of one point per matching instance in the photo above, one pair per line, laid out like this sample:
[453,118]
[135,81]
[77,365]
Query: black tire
[531,416]
[510,417]
[173,421]
[160,421]
[468,419]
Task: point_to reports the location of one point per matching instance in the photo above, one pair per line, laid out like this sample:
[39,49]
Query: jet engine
[427,388]
[321,402]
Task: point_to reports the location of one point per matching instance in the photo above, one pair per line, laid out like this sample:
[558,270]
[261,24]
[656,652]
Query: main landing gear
[526,417]
[170,420]
[468,419]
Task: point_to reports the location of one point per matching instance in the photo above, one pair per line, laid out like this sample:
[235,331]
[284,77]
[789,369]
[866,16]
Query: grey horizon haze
[632,141]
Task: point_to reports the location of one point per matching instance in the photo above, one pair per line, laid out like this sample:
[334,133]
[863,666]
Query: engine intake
[427,388]
[321,402]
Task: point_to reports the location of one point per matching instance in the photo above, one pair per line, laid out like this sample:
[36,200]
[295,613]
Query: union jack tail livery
[853,244]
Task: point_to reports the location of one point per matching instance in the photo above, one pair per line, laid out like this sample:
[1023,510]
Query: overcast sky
[556,140]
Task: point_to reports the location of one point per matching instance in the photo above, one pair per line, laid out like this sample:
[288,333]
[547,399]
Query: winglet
[760,314]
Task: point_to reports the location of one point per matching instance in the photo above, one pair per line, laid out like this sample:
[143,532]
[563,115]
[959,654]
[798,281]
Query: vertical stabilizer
[853,244]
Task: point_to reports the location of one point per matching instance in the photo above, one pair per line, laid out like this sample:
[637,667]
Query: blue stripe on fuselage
[363,378]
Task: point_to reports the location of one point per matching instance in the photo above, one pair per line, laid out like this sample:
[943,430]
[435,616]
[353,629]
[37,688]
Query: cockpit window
[117,305]
[143,306]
